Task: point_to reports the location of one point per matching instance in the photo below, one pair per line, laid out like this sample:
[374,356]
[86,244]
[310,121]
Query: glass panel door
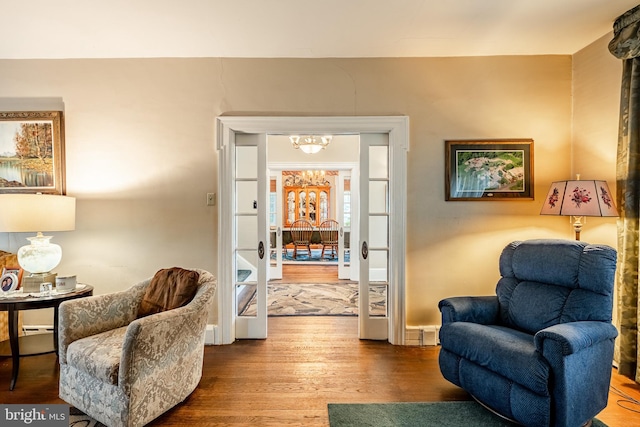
[374,233]
[251,230]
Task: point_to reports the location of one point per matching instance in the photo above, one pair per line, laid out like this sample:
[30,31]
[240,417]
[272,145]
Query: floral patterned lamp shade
[579,199]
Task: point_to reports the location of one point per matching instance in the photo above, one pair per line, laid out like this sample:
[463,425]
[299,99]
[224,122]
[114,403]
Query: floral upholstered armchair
[540,351]
[127,357]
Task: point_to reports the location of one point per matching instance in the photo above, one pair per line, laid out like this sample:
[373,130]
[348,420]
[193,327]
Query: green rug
[440,414]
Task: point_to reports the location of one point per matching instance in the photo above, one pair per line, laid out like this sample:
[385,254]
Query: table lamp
[579,199]
[37,213]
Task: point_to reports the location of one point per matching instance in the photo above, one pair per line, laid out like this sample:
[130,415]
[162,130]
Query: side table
[33,345]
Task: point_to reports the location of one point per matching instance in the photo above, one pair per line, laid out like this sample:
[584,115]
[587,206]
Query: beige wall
[596,92]
[141,153]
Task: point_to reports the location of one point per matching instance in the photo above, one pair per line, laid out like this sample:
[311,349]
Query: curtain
[626,46]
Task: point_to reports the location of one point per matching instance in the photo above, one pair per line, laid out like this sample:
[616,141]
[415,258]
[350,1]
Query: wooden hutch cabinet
[310,203]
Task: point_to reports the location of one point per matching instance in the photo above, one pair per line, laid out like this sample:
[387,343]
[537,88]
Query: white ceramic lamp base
[41,256]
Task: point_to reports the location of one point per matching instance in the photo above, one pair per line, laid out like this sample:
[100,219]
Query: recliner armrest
[575,336]
[482,310]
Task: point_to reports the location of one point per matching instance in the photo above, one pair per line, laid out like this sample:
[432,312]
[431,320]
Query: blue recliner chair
[540,352]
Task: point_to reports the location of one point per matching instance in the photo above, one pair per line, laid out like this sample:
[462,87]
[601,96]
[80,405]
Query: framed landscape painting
[32,152]
[489,170]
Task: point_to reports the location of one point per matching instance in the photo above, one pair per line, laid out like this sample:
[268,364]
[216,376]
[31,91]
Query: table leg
[15,346]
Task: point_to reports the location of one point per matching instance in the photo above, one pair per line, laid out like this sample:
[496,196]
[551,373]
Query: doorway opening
[245,235]
[310,223]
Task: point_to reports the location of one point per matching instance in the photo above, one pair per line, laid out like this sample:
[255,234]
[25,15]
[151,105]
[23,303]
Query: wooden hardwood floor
[289,378]
[309,273]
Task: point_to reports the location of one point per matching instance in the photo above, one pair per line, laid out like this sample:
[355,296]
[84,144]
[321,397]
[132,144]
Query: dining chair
[329,236]
[301,232]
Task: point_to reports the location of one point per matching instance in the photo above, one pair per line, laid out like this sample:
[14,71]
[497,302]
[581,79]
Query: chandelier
[306,178]
[310,144]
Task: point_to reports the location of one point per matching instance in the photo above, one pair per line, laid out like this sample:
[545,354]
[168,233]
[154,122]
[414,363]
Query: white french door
[374,248]
[244,228]
[251,247]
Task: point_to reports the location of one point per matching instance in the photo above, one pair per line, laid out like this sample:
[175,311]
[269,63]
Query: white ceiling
[301,28]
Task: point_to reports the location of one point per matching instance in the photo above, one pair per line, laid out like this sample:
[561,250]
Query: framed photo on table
[32,152]
[11,279]
[481,170]
[13,273]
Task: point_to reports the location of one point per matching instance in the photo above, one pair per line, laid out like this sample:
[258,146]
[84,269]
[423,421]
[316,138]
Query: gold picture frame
[32,156]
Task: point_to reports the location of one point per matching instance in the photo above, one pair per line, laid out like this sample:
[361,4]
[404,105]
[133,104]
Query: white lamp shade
[37,212]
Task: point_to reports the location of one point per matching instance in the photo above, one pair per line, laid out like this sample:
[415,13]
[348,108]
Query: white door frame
[398,129]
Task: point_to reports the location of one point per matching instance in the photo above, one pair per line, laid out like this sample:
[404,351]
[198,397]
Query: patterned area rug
[318,300]
[78,418]
[316,256]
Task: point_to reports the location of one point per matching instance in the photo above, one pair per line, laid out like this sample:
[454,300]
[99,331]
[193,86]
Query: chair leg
[322,254]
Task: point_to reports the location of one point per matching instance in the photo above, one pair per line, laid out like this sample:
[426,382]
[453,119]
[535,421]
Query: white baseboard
[422,335]
[414,335]
[211,335]
[37,329]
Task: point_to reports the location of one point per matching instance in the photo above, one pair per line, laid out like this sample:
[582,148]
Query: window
[347,209]
[272,209]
